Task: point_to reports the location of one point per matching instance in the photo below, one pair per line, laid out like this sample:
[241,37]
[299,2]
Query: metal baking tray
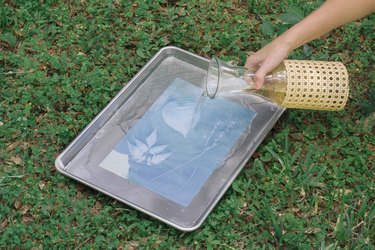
[172,72]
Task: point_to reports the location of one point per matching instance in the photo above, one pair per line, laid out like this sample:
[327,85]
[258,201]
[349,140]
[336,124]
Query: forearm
[332,14]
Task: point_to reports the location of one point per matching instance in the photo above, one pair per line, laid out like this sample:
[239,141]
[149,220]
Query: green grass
[309,185]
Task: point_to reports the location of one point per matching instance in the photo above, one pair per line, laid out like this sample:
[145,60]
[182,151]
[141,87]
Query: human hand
[267,59]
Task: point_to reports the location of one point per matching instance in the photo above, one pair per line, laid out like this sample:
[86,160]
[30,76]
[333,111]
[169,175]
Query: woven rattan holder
[316,85]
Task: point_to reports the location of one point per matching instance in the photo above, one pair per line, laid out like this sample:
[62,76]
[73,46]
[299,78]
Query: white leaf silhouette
[137,153]
[156,159]
[157,149]
[151,139]
[142,146]
[145,153]
[181,115]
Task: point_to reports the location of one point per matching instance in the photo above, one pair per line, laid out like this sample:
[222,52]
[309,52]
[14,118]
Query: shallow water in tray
[175,167]
[179,142]
[169,138]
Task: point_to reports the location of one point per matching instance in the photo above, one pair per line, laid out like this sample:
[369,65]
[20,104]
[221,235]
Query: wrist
[288,41]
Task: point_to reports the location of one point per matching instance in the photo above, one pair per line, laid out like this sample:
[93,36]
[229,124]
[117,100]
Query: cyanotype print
[178,143]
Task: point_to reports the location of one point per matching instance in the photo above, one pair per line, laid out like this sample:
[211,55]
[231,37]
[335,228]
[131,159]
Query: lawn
[309,185]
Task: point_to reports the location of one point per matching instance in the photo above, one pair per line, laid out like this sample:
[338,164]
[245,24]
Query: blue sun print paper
[174,148]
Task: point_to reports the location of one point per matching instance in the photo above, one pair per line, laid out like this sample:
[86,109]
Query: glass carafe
[293,84]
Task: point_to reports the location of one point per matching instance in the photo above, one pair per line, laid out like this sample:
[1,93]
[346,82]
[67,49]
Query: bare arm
[332,14]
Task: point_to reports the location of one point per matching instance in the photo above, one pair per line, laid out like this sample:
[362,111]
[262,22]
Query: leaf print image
[138,151]
[176,146]
[180,115]
[157,159]
[151,139]
[147,153]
